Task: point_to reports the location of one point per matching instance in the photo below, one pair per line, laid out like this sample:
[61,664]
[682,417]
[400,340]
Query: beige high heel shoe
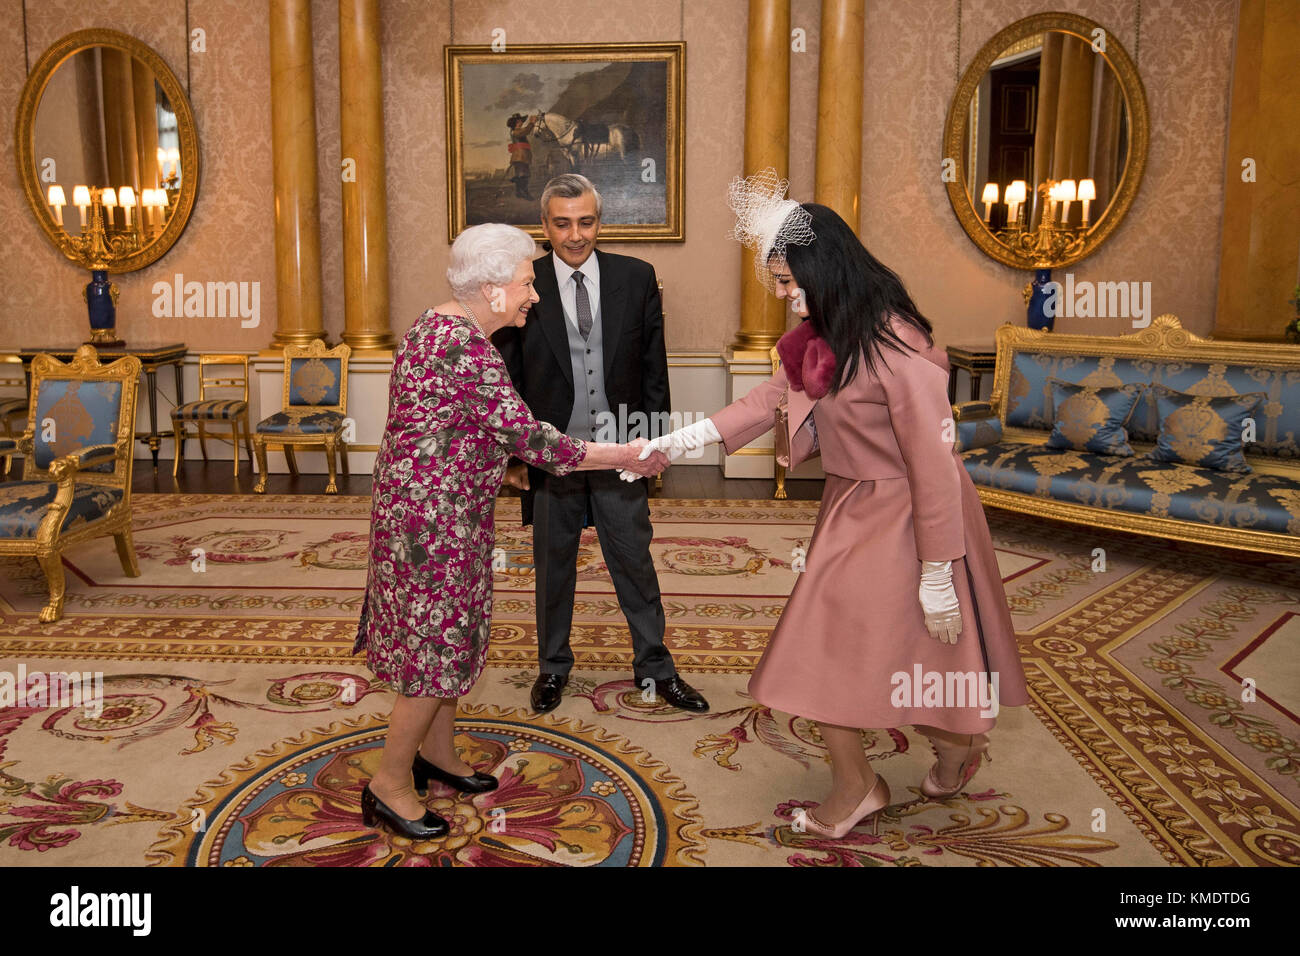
[948,753]
[870,807]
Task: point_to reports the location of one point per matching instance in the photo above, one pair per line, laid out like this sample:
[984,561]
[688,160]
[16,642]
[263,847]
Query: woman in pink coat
[900,616]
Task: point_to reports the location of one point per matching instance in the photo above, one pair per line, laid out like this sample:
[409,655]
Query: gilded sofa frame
[288,442]
[50,539]
[1165,339]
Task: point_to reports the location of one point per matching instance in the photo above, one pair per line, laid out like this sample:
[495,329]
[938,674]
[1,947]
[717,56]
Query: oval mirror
[1047,139]
[107,150]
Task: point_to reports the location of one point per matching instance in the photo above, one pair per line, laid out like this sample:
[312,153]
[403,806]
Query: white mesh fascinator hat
[766,221]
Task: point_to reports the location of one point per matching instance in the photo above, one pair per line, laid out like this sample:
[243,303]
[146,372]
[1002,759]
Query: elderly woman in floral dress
[454,421]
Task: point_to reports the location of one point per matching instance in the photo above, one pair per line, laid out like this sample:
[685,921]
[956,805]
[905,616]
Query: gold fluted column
[767,143]
[1260,247]
[839,108]
[293,158]
[365,202]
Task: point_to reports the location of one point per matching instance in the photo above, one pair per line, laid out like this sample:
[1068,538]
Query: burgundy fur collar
[808,361]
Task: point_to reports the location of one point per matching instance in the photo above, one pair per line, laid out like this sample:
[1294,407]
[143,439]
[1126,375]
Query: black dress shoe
[680,694]
[429,827]
[476,782]
[546,692]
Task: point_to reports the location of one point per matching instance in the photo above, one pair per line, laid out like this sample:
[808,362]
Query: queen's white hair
[487,254]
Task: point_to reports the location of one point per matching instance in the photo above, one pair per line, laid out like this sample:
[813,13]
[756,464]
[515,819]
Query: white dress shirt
[569,289]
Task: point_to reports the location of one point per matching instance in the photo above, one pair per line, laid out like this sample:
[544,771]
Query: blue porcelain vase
[102,308]
[1038,317]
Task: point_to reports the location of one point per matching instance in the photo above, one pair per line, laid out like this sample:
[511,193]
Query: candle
[81,199]
[989,198]
[58,201]
[1067,197]
[110,201]
[1014,195]
[127,199]
[1087,193]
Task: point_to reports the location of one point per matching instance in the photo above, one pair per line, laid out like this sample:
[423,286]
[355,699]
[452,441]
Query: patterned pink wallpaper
[1171,237]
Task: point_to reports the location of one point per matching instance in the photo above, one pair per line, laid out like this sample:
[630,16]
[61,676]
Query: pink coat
[852,647]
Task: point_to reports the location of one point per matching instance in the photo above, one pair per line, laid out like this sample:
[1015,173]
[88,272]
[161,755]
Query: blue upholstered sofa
[1003,442]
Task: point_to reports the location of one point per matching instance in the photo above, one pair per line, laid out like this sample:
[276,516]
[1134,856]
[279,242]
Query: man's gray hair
[487,254]
[568,186]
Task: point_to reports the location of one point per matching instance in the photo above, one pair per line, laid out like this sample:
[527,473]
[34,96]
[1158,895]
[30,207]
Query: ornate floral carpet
[237,729]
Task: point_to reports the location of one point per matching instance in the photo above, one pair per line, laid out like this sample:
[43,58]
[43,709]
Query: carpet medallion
[237,729]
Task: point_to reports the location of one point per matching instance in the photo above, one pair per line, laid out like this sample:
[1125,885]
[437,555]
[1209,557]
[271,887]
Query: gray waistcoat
[589,410]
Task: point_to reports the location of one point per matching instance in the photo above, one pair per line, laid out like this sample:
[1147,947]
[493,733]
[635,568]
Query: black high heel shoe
[476,782]
[429,827]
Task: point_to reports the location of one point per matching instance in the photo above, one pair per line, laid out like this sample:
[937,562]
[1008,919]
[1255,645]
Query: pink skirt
[852,648]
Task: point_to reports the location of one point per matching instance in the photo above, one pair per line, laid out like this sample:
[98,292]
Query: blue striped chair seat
[301,421]
[212,409]
[23,505]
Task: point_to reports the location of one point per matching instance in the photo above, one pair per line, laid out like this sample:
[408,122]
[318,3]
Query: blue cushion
[82,413]
[23,505]
[1030,401]
[1201,430]
[212,409]
[1092,417]
[315,381]
[301,422]
[978,433]
[1137,485]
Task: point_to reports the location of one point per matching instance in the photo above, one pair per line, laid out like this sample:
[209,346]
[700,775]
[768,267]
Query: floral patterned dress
[454,421]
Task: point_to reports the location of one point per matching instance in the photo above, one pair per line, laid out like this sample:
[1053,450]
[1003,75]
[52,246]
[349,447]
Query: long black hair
[850,295]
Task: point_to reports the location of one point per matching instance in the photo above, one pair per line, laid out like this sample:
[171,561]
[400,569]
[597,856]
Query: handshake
[638,458]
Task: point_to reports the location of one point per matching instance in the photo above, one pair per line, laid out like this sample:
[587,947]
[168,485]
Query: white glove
[939,601]
[677,443]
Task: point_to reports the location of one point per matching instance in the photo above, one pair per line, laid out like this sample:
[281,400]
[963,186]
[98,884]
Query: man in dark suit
[591,356]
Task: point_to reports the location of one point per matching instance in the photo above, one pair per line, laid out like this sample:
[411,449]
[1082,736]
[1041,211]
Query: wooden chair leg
[289,457]
[780,482]
[178,429]
[260,445]
[343,454]
[126,552]
[248,444]
[52,565]
[332,488]
[203,441]
[234,444]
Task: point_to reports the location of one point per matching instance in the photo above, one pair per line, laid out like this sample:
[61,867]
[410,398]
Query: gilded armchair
[77,460]
[315,408]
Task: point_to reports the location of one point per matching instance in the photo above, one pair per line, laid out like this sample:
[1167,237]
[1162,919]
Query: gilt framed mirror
[1046,141]
[107,150]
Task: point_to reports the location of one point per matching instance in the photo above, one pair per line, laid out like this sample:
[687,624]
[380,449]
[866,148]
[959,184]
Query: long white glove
[939,601]
[677,443]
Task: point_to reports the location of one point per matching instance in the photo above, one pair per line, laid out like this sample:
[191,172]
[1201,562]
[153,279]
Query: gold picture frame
[622,124]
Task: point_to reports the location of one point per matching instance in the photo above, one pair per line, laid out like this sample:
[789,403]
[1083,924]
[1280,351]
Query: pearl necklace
[474,317]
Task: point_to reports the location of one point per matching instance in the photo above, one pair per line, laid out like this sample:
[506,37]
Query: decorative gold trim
[25,147]
[959,195]
[674,53]
[1266,541]
[753,451]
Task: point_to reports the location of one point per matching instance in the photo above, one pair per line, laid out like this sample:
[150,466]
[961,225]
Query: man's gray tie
[582,306]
